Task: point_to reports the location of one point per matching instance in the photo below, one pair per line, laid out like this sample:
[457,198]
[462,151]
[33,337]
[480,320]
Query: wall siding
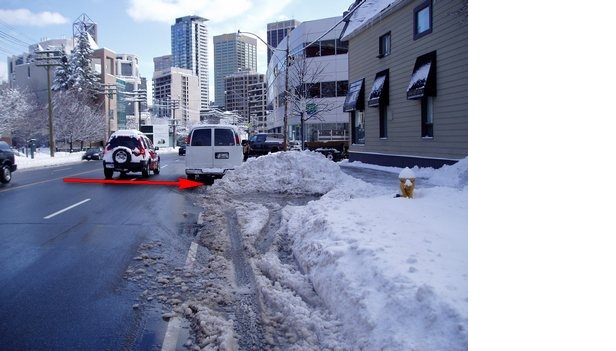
[449,38]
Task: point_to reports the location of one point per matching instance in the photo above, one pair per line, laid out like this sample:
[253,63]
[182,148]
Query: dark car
[7,162]
[263,143]
[92,154]
[182,150]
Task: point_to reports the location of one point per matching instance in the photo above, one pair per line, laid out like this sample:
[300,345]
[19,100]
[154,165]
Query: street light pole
[286,83]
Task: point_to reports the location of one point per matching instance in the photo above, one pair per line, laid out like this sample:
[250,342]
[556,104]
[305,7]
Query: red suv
[130,151]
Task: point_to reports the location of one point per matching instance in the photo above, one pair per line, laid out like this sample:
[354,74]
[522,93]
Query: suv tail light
[237,138]
[188,139]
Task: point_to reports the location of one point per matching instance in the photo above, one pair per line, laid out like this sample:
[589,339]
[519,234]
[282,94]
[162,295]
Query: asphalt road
[65,247]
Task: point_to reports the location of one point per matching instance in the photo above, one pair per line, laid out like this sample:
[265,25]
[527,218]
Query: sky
[143,27]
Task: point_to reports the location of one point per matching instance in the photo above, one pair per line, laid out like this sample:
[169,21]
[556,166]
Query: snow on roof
[365,14]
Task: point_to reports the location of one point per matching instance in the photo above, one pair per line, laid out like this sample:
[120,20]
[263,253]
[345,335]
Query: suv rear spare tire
[121,156]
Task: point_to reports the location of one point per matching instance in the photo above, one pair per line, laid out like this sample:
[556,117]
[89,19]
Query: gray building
[237,93]
[232,53]
[276,31]
[408,82]
[189,50]
[162,63]
[175,94]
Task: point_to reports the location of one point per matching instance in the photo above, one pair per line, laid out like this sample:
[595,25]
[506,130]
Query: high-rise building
[232,53]
[237,94]
[189,50]
[162,63]
[276,31]
[173,92]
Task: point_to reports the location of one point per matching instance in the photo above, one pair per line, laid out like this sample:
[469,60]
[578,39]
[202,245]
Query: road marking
[172,334]
[66,209]
[173,327]
[192,255]
[163,166]
[61,169]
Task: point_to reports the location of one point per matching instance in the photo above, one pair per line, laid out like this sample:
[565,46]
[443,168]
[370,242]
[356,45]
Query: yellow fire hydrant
[407,183]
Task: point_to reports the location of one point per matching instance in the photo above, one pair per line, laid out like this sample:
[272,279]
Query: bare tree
[20,116]
[305,93]
[75,120]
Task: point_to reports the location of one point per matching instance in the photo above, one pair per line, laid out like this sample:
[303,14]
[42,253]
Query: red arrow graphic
[182,183]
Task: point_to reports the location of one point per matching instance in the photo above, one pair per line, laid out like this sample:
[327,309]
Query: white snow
[393,270]
[368,11]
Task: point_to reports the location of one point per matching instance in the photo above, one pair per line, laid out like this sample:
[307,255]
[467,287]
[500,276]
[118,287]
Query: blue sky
[143,27]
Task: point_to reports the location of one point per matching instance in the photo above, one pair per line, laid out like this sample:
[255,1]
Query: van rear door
[228,152]
[199,153]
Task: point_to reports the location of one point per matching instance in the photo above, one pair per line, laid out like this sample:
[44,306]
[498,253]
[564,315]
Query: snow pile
[393,270]
[283,172]
[43,159]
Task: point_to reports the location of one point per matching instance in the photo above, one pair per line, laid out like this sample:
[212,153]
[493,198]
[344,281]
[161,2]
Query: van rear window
[224,137]
[201,137]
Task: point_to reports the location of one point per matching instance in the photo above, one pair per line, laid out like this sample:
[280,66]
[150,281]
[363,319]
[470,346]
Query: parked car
[130,151]
[7,163]
[264,143]
[92,154]
[294,145]
[212,150]
[182,150]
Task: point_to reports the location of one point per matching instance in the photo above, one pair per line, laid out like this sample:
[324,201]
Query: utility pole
[286,95]
[138,96]
[109,90]
[174,104]
[50,58]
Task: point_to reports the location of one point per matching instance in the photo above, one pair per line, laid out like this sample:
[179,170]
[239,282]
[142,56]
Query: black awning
[423,79]
[355,97]
[379,92]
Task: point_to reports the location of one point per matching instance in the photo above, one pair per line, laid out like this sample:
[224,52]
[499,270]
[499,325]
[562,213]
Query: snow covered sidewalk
[393,270]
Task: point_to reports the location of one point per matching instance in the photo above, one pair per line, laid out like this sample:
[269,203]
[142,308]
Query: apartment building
[407,102]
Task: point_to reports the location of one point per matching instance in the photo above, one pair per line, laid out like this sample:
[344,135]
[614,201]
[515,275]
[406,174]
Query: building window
[342,47]
[385,45]
[328,47]
[427,117]
[328,89]
[313,50]
[422,16]
[358,134]
[383,121]
[313,89]
[342,87]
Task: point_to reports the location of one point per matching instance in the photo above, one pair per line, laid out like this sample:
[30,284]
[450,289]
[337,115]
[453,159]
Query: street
[65,250]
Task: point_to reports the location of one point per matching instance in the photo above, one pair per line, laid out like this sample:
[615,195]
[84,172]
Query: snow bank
[393,270]
[284,172]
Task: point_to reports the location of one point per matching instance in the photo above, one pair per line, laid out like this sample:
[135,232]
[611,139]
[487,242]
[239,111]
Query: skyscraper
[277,31]
[189,51]
[232,53]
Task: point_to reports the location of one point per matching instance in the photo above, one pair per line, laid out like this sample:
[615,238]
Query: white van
[212,149]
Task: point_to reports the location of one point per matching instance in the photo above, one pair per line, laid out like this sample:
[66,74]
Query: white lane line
[161,167]
[66,209]
[192,255]
[172,334]
[173,327]
[61,169]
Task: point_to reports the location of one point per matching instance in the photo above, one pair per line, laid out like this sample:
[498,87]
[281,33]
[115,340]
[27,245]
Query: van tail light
[237,139]
[188,140]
